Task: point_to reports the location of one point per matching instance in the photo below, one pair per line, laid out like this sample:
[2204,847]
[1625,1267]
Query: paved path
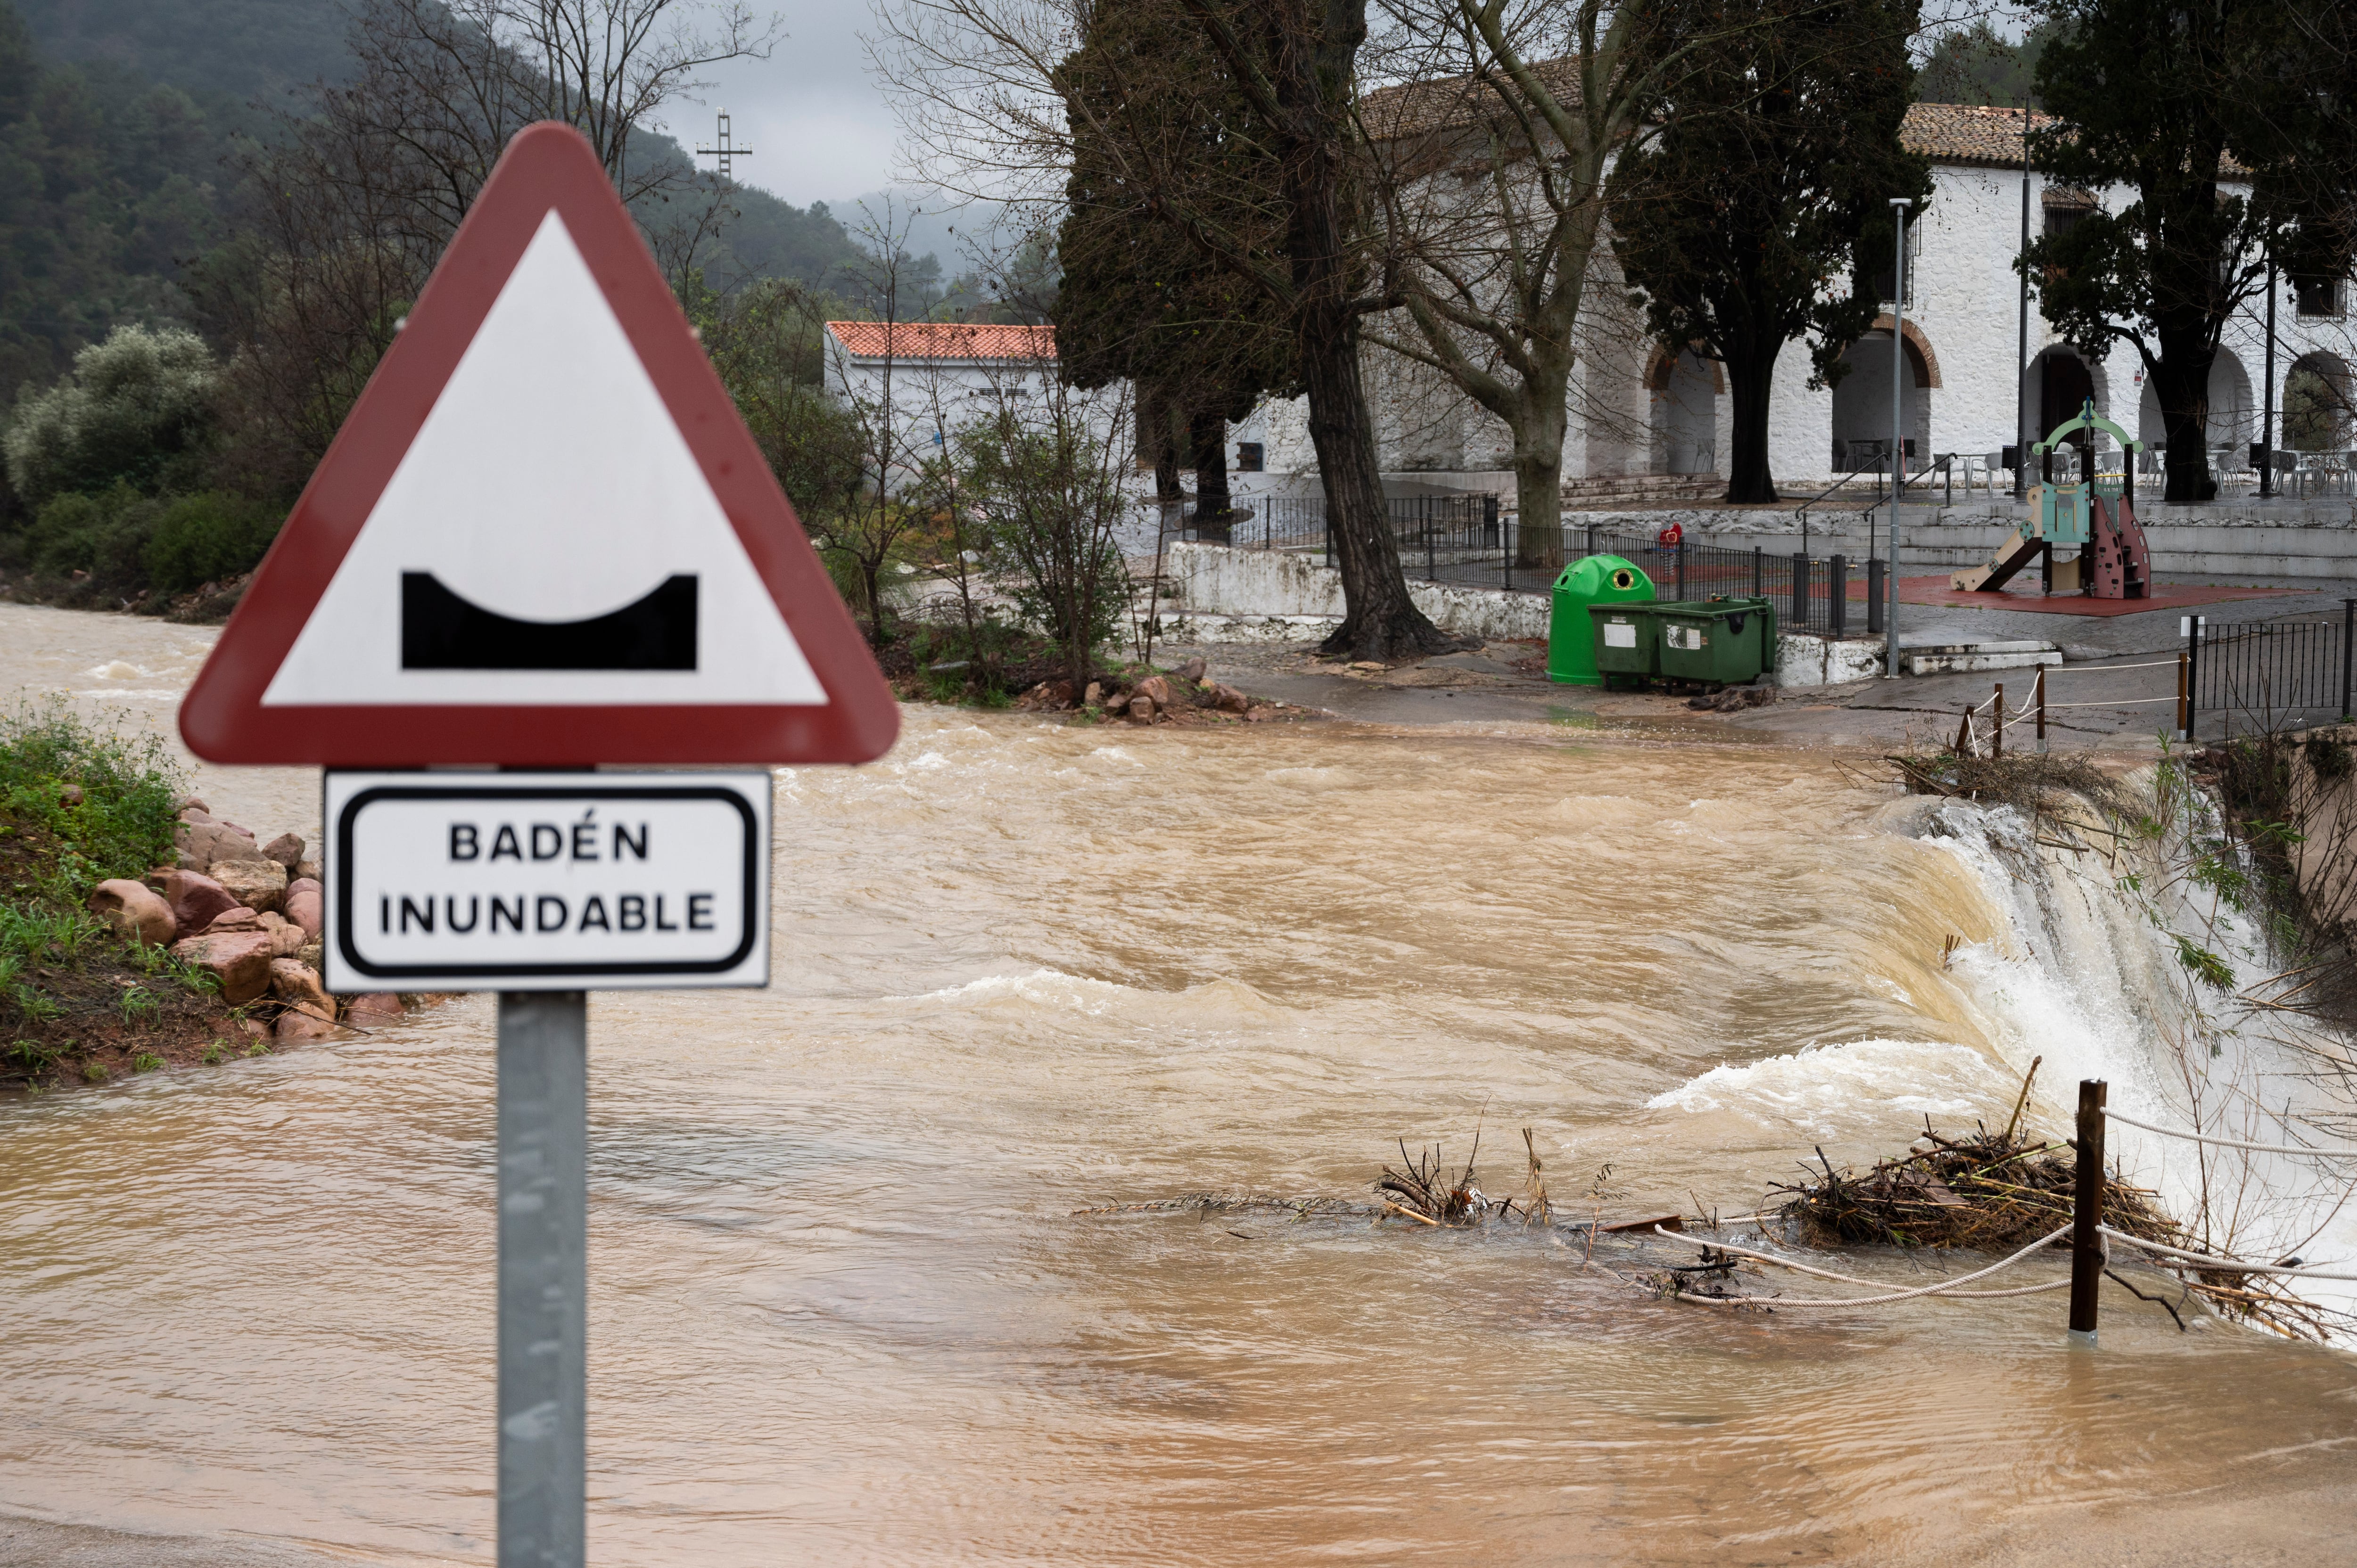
[1501,683]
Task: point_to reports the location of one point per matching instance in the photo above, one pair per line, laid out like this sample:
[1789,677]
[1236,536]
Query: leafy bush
[135,410]
[104,798]
[206,537]
[104,534]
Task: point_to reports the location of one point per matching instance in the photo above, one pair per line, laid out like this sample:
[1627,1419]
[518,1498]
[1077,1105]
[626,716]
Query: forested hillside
[214,214]
[120,161]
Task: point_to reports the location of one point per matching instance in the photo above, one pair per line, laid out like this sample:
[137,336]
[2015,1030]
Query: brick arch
[1664,363]
[1928,363]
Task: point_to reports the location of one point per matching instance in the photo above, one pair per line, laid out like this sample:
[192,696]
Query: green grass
[79,805]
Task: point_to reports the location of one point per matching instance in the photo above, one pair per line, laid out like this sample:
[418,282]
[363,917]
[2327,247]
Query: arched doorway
[2230,416]
[1683,413]
[1862,403]
[2060,385]
[2315,410]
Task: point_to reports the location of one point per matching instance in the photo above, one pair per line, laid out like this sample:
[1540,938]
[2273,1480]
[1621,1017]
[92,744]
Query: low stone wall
[1257,584]
[1806,661]
[1265,595]
[2218,539]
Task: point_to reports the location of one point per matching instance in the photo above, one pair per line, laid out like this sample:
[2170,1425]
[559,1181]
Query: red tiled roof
[1455,102]
[942,340]
[1967,134]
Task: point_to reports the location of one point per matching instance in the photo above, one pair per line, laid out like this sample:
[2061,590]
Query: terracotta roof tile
[1447,102]
[1967,134]
[942,340]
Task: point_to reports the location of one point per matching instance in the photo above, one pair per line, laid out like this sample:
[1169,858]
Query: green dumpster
[1626,645]
[1725,642]
[1595,580]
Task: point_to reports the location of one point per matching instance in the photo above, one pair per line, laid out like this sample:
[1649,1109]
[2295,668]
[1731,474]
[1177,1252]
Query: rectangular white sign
[546,881]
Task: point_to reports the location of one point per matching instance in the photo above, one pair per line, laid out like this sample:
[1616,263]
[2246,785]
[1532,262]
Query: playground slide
[2016,553]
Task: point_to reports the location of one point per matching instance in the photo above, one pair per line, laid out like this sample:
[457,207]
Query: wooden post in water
[2087,1212]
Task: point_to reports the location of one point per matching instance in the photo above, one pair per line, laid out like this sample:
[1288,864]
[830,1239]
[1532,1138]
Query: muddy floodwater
[841,1308]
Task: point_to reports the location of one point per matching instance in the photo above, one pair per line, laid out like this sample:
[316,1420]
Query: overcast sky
[818,127]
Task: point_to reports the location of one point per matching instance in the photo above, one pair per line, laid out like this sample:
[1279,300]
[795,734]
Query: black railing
[2247,677]
[1462,540]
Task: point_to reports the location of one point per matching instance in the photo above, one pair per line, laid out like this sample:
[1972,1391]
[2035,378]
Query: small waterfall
[2125,959]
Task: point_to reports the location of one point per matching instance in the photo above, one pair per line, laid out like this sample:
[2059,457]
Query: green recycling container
[1594,580]
[1728,641]
[1626,645]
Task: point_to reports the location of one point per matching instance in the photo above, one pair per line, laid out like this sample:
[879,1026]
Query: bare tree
[980,88]
[351,205]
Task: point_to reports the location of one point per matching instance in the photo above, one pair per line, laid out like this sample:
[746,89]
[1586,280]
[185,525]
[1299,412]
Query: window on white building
[2320,296]
[1881,278]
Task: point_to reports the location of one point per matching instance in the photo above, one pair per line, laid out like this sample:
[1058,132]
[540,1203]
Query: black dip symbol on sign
[439,630]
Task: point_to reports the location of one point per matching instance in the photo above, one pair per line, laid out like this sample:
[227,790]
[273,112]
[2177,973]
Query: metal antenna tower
[727,152]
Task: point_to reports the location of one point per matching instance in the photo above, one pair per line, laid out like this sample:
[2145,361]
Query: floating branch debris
[1984,1189]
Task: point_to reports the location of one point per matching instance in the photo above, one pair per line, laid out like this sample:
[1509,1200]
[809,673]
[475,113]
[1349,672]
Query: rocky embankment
[1183,695]
[249,913]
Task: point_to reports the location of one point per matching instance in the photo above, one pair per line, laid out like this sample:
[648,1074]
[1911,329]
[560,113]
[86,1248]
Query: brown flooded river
[842,1311]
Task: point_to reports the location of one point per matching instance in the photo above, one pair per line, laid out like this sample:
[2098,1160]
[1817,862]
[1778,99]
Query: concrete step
[1966,658]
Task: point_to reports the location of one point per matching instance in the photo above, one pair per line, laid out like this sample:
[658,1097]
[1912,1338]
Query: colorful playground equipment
[2096,514]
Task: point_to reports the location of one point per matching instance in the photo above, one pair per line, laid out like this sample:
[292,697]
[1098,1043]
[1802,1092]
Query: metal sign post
[1899,206]
[543,1276]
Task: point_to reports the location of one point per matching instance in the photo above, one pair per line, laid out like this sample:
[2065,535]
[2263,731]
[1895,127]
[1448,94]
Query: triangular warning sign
[543,537]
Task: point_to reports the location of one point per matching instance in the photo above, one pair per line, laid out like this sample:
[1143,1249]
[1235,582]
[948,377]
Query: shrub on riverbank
[120,549]
[79,806]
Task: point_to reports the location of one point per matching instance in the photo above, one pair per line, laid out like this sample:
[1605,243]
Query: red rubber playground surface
[2165,597]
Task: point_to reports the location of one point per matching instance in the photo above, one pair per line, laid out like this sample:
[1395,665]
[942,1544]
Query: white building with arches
[1643,409]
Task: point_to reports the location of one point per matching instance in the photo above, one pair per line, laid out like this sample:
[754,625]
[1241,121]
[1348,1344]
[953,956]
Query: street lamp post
[1899,206]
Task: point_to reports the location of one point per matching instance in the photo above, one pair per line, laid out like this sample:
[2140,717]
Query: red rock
[296,1025]
[374,1004]
[1156,689]
[134,909]
[298,985]
[1141,707]
[1228,700]
[197,900]
[239,960]
[286,848]
[1192,669]
[305,908]
[203,845]
[253,882]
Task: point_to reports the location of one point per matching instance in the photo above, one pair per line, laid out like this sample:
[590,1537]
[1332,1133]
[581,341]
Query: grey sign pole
[543,1194]
[1898,207]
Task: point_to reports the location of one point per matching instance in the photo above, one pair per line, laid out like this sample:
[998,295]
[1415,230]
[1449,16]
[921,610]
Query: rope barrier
[1946,1288]
[2122,702]
[2235,1142]
[2228,1265]
[2108,669]
[1810,1269]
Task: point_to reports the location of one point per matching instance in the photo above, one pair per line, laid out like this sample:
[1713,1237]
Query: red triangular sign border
[546,165]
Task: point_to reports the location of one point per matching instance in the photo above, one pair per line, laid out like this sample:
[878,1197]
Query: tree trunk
[2180,384]
[1538,480]
[1750,371]
[1161,450]
[1313,70]
[1208,433]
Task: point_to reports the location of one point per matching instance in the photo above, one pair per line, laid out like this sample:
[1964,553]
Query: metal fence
[2262,676]
[1462,540]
